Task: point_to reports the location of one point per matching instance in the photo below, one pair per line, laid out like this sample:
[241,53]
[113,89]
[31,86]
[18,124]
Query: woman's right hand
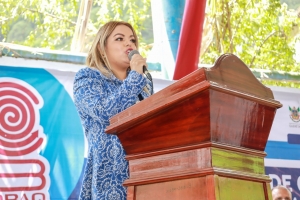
[137,62]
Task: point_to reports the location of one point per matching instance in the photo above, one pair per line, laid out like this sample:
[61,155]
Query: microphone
[148,75]
[131,53]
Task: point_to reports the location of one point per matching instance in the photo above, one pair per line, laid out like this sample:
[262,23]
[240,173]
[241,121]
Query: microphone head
[131,53]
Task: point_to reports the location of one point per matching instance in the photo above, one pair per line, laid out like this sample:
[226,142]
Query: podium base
[209,171]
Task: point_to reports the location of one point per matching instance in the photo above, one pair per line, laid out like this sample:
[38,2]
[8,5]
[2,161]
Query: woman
[110,84]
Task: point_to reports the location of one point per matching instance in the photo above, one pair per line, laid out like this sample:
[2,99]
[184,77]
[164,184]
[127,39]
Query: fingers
[137,62]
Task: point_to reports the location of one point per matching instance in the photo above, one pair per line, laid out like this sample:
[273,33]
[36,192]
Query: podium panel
[190,174]
[201,188]
[192,188]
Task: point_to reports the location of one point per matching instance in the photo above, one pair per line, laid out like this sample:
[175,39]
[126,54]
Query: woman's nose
[127,43]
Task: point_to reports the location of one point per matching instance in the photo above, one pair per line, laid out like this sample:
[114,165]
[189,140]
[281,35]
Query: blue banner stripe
[282,150]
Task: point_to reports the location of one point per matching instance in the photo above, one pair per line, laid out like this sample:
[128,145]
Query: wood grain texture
[206,116]
[160,98]
[240,189]
[268,191]
[231,73]
[131,193]
[192,127]
[212,187]
[197,162]
[191,189]
[170,165]
[242,162]
[239,121]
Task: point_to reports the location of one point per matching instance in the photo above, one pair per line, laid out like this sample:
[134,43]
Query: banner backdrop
[42,143]
[282,163]
[41,137]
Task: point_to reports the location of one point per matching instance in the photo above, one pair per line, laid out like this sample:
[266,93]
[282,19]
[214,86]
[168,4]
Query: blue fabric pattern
[98,98]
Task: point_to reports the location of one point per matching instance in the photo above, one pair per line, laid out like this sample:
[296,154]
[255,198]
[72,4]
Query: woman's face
[119,44]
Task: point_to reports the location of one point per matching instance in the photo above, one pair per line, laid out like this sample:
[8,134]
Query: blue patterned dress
[97,99]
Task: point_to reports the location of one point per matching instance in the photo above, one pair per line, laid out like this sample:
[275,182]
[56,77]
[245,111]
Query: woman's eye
[119,39]
[133,41]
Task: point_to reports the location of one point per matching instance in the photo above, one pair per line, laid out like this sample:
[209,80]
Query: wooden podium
[203,137]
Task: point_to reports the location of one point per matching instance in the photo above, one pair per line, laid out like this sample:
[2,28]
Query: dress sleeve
[94,97]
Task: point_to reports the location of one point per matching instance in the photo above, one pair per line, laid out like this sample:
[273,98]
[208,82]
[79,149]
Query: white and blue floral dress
[98,98]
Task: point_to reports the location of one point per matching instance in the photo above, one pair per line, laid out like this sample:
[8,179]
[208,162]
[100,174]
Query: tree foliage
[258,32]
[262,33]
[137,13]
[54,21]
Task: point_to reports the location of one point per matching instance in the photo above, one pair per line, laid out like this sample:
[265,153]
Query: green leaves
[261,33]
[137,13]
[50,22]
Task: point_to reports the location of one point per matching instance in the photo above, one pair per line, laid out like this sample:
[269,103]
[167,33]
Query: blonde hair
[96,55]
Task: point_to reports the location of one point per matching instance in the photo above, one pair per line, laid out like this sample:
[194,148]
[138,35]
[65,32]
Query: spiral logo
[19,117]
